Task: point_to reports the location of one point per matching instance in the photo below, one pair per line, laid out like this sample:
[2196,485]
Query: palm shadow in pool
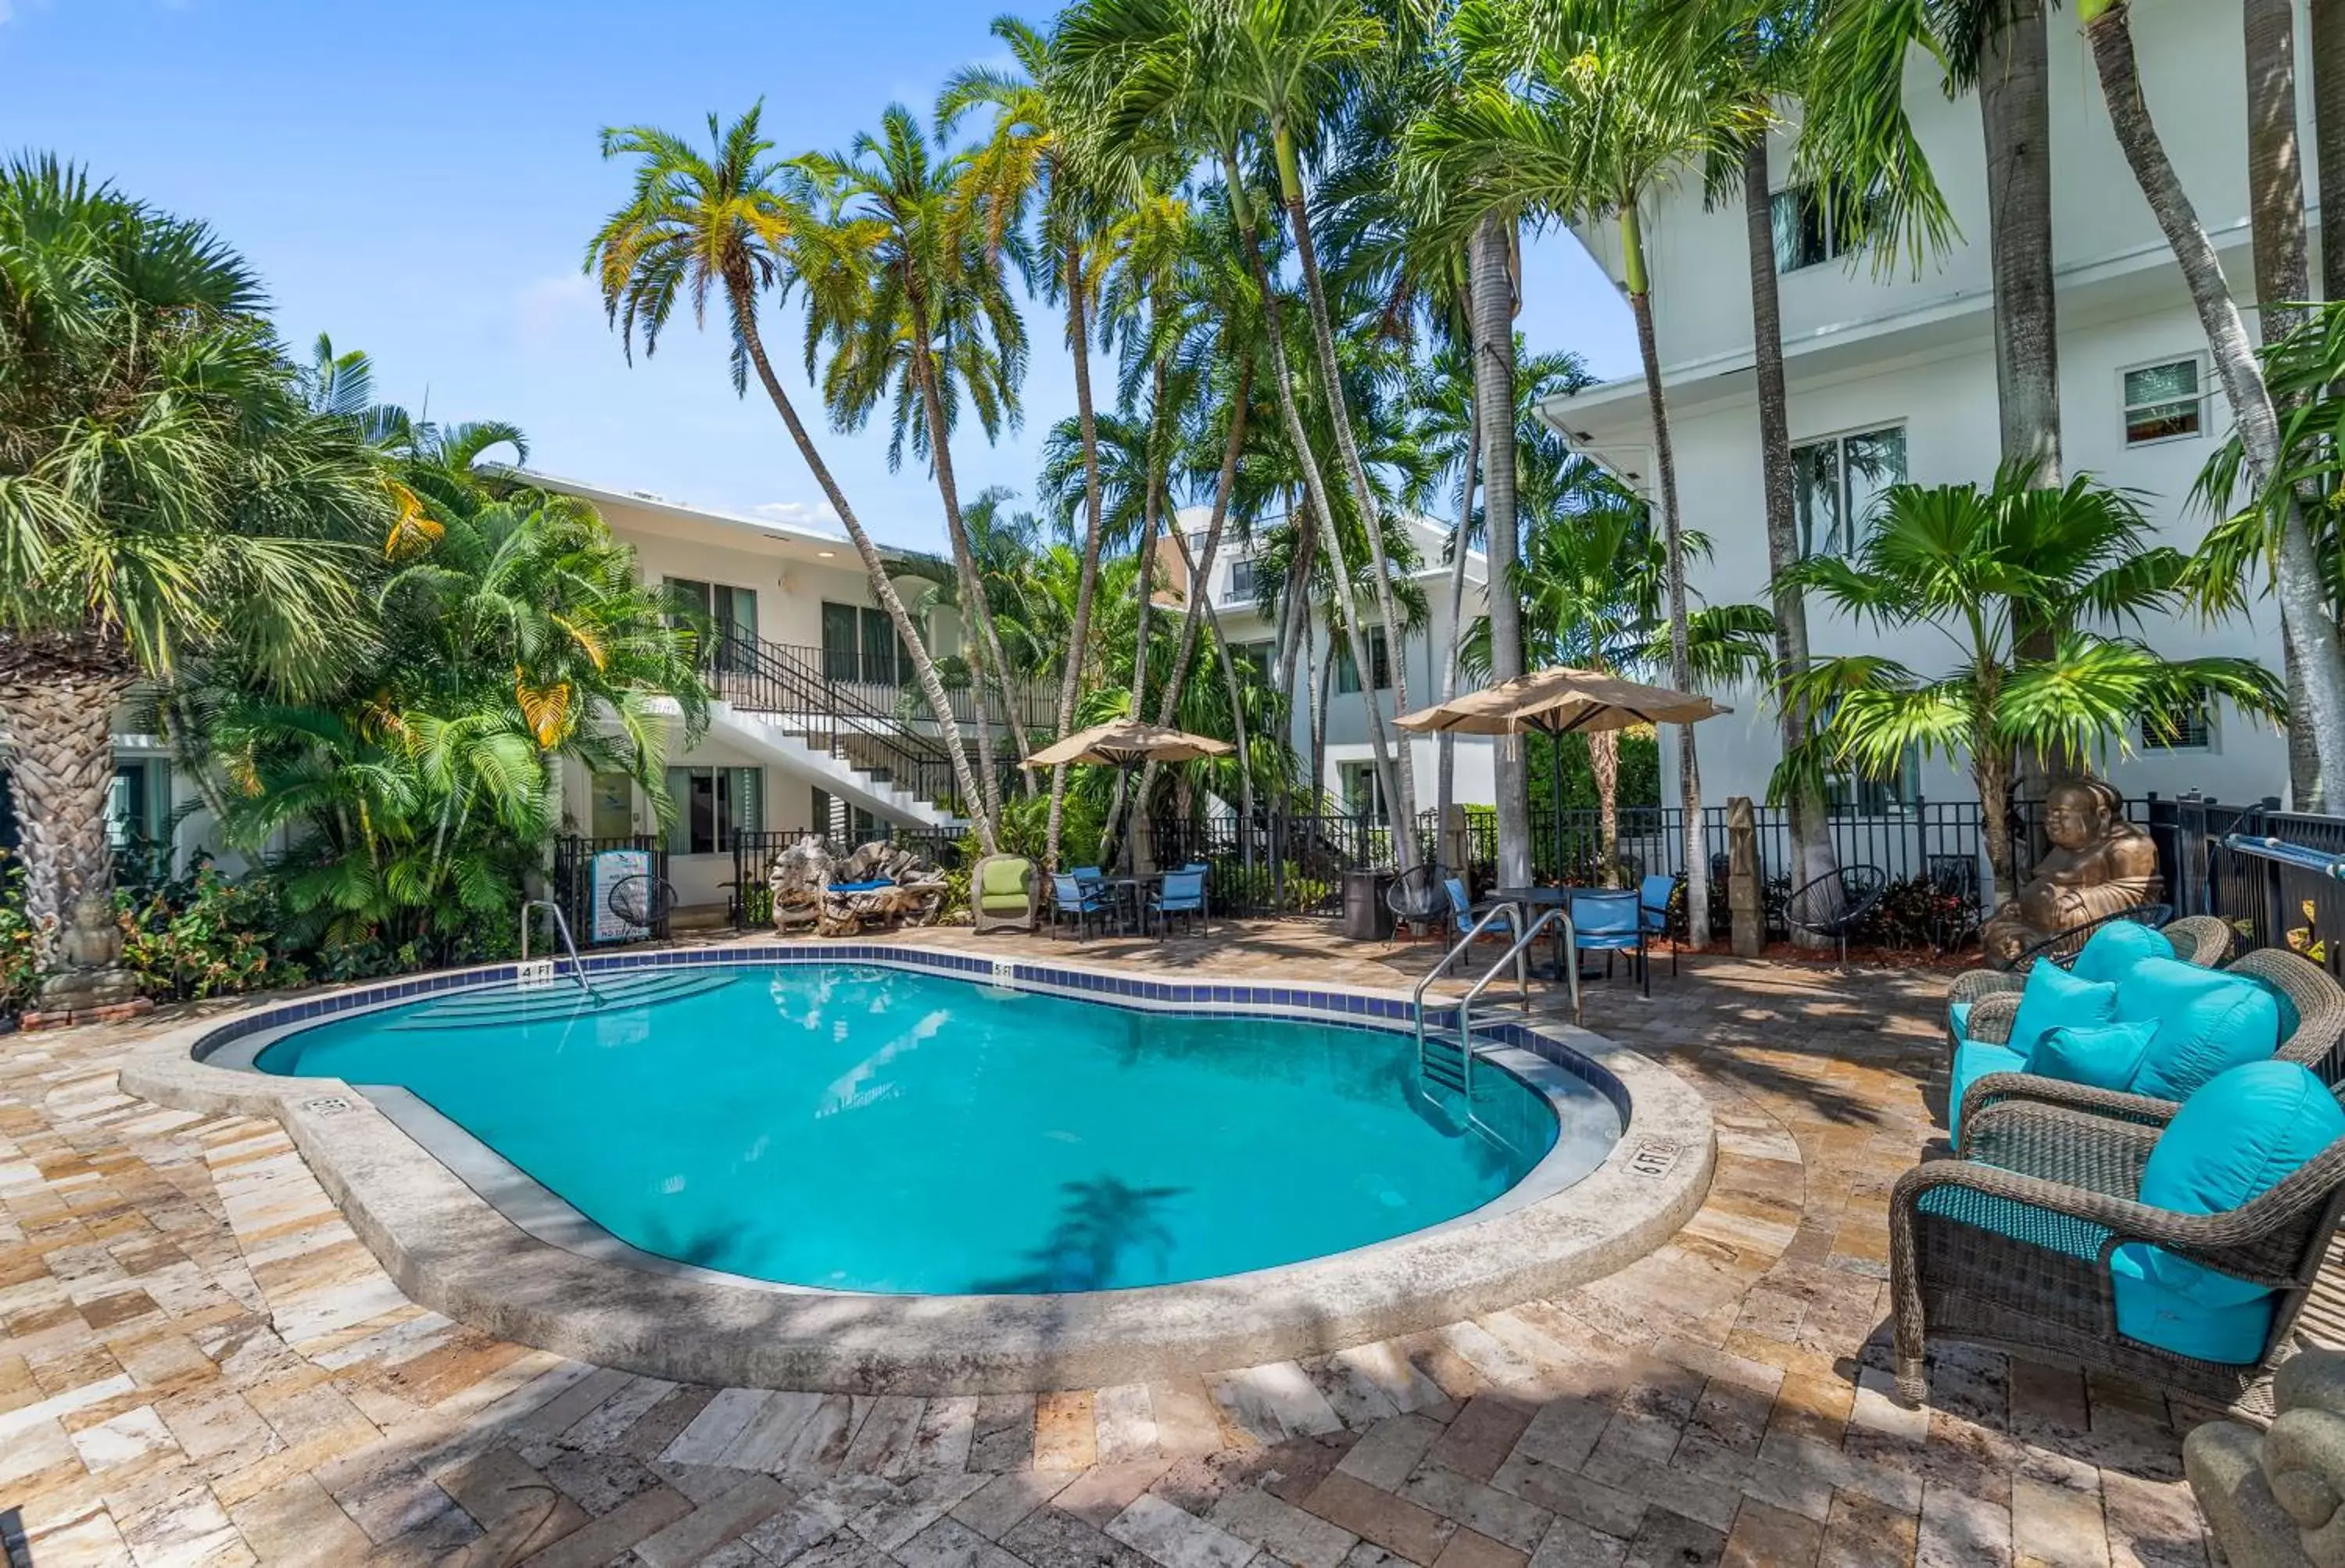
[1103,1223]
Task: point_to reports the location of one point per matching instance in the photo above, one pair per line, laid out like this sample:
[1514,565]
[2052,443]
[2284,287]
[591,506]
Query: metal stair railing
[1507,912]
[753,674]
[1515,955]
[561,927]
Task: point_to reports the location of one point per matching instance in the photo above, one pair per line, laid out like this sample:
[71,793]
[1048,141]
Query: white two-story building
[1894,378]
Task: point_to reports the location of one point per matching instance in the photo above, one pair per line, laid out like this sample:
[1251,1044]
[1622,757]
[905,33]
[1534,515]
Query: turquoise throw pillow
[2103,1058]
[2206,1021]
[2237,1138]
[2115,948]
[2057,999]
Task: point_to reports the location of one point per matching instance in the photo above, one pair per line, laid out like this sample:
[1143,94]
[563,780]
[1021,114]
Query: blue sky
[420,180]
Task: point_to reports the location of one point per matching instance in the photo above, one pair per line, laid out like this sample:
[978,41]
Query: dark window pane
[1816,497]
[839,648]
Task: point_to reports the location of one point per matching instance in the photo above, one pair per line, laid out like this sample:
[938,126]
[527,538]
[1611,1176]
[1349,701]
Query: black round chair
[1833,905]
[2062,947]
[641,901]
[1418,898]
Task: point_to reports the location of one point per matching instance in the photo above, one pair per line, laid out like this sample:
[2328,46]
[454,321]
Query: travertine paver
[200,1364]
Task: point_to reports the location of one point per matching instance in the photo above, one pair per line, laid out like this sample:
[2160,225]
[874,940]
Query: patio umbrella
[1557,702]
[1125,743]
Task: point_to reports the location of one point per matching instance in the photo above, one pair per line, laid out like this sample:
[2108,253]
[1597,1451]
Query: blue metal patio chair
[1183,893]
[1653,896]
[1071,899]
[1609,922]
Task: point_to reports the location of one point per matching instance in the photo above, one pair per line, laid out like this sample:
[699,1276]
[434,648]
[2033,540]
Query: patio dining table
[1530,904]
[1130,896]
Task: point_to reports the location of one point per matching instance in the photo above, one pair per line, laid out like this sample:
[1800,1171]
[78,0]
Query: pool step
[507,1005]
[1444,1063]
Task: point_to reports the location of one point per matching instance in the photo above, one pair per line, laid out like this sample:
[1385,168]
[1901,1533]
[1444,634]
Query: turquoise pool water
[868,1128]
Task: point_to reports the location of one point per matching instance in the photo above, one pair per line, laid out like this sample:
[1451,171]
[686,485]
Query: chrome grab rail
[1417,998]
[561,927]
[1515,955]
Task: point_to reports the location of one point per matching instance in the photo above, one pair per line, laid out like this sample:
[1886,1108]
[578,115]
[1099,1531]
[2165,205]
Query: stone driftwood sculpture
[809,888]
[2272,1498]
[2099,863]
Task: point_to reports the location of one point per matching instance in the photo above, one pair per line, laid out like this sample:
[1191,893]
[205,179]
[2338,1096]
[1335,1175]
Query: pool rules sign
[609,869]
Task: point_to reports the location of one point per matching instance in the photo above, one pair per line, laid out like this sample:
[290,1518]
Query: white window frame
[1850,523]
[2126,410]
[1239,593]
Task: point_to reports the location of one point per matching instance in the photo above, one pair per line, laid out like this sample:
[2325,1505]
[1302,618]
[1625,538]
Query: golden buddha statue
[2099,864]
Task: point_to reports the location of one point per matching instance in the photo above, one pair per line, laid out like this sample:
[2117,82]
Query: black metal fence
[2219,860]
[1277,865]
[574,880]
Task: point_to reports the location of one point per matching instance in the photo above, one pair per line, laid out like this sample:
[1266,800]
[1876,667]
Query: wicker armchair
[2050,1293]
[2319,1004]
[2203,939]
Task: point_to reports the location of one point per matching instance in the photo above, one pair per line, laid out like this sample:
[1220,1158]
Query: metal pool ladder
[1513,955]
[561,928]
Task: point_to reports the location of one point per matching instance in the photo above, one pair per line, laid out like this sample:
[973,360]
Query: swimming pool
[857,1127]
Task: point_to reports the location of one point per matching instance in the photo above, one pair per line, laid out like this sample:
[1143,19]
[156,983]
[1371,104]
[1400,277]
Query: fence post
[1746,913]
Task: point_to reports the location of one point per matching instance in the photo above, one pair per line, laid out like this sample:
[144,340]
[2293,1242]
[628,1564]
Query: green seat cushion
[2054,997]
[994,903]
[2104,1058]
[2207,1020]
[1005,878]
[1973,1060]
[2234,1140]
[2150,1312]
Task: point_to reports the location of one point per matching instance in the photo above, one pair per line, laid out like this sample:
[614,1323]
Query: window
[138,804]
[2165,402]
[1852,794]
[2186,727]
[729,614]
[859,644]
[1811,230]
[611,805]
[1347,674]
[858,825]
[1255,656]
[1363,794]
[1837,482]
[712,805]
[1241,584]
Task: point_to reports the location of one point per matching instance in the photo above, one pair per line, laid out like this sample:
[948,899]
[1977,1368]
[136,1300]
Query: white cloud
[551,308]
[798,513]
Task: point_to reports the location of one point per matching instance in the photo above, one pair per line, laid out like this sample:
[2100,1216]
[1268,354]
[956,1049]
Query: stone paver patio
[200,1364]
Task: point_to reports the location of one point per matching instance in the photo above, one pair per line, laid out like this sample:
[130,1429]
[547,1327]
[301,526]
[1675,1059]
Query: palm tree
[1594,587]
[2329,129]
[1184,78]
[920,319]
[1964,561]
[2311,632]
[1589,123]
[735,222]
[166,494]
[1032,156]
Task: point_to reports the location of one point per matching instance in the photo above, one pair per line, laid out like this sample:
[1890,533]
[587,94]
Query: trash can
[1366,916]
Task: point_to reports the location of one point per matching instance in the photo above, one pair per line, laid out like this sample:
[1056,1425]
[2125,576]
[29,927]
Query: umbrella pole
[1554,794]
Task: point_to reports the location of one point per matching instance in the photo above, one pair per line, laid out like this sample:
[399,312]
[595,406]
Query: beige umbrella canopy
[1127,744]
[1561,701]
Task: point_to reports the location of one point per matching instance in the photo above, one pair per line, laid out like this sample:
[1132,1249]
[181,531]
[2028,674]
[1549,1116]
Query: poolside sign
[610,868]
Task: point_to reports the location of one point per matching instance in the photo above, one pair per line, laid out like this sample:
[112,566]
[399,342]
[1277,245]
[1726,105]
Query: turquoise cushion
[2104,1058]
[1958,1013]
[2233,1140]
[2115,948]
[1973,1060]
[2206,1021]
[2150,1312]
[2054,997]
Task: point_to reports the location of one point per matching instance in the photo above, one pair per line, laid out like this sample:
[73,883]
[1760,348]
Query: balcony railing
[887,686]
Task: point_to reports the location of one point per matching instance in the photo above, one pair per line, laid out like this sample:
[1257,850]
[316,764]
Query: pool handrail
[1417,998]
[561,927]
[1515,955]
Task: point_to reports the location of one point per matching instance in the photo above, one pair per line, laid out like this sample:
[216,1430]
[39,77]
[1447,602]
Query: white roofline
[790,532]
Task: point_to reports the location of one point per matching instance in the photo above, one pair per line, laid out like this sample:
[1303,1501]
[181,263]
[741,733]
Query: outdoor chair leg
[1645,965]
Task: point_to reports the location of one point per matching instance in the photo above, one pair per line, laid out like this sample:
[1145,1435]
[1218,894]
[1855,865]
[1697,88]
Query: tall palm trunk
[2304,600]
[1316,494]
[1493,290]
[1445,787]
[1295,611]
[2276,221]
[1168,703]
[2329,139]
[2014,116]
[1078,334]
[1364,497]
[1604,763]
[924,669]
[1665,466]
[1152,517]
[1322,677]
[60,717]
[1237,736]
[977,624]
[1811,843]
